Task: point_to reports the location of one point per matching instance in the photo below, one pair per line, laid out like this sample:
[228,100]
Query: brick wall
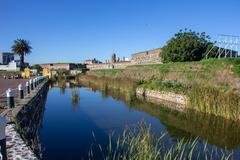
[117,65]
[147,57]
[56,66]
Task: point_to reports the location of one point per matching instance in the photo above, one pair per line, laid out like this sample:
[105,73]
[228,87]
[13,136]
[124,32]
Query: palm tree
[21,47]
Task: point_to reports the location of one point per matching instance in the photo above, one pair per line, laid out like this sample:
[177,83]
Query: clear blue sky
[75,30]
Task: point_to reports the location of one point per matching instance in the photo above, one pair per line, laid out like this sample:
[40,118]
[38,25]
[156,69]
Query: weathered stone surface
[24,125]
[117,65]
[157,96]
[147,57]
[16,147]
[141,58]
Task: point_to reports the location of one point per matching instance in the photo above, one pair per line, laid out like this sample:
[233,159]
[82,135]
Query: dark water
[72,115]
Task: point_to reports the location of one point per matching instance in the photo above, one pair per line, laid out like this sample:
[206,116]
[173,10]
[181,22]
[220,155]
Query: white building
[12,66]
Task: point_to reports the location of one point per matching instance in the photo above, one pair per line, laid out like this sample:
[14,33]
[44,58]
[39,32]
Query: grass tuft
[139,143]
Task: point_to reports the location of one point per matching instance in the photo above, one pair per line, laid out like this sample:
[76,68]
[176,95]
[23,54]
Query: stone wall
[117,65]
[27,118]
[155,96]
[147,57]
[121,65]
[56,66]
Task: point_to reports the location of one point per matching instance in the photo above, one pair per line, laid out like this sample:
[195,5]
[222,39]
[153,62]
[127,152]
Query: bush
[37,67]
[186,46]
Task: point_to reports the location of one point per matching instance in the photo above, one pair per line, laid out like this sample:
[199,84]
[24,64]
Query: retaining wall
[25,119]
[117,65]
[160,96]
[147,57]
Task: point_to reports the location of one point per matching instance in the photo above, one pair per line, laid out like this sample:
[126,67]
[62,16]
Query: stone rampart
[24,122]
[28,120]
[147,57]
[117,65]
[159,96]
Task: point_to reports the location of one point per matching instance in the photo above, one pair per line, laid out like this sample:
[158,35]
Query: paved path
[9,83]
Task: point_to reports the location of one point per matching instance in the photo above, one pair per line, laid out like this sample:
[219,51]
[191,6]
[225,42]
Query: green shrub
[172,86]
[186,46]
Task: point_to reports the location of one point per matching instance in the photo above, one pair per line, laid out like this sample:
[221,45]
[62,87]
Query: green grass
[212,86]
[105,73]
[140,144]
[181,71]
[9,73]
[168,86]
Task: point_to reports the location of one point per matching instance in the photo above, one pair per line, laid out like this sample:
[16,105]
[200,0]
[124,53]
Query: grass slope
[213,85]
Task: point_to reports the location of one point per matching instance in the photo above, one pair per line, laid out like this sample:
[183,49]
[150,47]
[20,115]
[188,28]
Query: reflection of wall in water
[215,130]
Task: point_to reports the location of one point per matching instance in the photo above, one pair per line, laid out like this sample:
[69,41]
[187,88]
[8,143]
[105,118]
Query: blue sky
[75,30]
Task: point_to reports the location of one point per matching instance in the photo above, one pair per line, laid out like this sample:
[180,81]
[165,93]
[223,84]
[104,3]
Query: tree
[186,46]
[21,47]
[37,67]
[113,59]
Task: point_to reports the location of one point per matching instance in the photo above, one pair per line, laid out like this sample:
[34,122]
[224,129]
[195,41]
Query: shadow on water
[189,124]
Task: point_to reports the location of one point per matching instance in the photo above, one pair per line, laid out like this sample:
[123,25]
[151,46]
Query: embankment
[210,86]
[24,122]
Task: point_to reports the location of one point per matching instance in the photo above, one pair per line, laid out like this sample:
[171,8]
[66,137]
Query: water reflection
[98,113]
[216,130]
[75,97]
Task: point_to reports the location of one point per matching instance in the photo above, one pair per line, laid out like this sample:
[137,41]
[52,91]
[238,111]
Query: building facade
[92,61]
[147,57]
[6,58]
[11,66]
[57,66]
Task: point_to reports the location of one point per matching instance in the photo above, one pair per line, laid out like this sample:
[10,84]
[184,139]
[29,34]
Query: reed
[139,143]
[75,97]
[214,101]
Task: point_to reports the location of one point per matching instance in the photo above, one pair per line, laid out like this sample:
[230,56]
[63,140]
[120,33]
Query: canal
[77,117]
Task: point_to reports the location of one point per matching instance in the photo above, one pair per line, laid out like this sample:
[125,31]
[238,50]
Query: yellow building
[26,73]
[47,72]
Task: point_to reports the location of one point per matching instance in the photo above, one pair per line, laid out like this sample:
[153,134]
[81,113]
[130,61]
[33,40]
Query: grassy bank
[212,86]
[179,124]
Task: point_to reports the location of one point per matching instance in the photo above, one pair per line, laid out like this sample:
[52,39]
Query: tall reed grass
[214,101]
[140,144]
